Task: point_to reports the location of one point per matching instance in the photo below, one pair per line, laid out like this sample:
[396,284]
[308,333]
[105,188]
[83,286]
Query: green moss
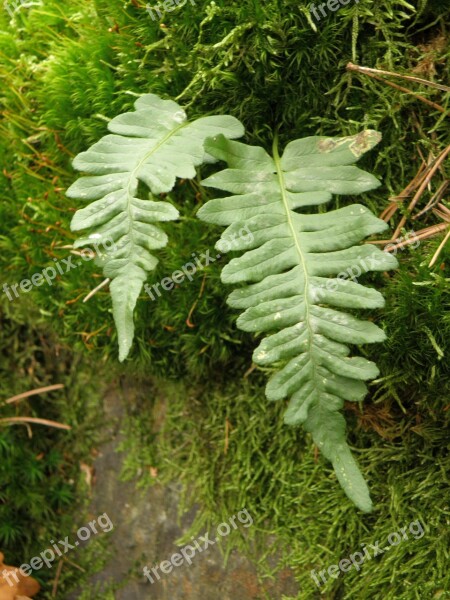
[67,68]
[229,448]
[40,478]
[262,62]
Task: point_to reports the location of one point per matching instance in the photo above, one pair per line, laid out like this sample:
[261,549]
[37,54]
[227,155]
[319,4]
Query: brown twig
[48,388]
[19,420]
[189,323]
[227,436]
[249,371]
[95,290]
[57,576]
[438,251]
[65,559]
[437,197]
[438,162]
[442,212]
[368,70]
[352,67]
[390,211]
[423,234]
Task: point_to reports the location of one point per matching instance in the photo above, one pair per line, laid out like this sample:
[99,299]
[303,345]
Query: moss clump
[40,478]
[262,62]
[231,450]
[67,69]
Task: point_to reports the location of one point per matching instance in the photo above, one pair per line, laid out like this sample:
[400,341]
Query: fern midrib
[281,180]
[134,173]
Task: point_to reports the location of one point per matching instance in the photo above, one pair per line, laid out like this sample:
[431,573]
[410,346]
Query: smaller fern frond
[153,146]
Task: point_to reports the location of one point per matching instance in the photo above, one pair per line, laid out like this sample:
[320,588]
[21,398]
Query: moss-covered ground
[66,68]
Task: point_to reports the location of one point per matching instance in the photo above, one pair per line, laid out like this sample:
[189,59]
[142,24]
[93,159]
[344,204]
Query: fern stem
[285,200]
[133,180]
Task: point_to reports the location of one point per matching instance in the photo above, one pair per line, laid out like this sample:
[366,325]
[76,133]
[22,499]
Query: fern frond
[153,145]
[289,269]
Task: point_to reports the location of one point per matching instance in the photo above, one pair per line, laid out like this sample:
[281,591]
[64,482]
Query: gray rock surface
[146,529]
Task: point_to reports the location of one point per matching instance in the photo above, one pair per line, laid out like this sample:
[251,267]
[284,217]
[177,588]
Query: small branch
[368,70]
[437,197]
[227,436]
[98,288]
[442,212]
[352,67]
[423,234]
[65,559]
[390,211]
[249,371]
[189,323]
[421,189]
[49,388]
[19,420]
[57,576]
[438,251]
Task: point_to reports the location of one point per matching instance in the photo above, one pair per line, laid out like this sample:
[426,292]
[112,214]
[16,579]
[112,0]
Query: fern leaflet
[289,270]
[153,145]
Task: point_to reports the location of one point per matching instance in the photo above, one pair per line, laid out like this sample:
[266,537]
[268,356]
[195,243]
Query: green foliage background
[66,68]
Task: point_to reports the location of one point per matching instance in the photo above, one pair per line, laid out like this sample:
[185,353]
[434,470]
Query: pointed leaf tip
[153,146]
[291,275]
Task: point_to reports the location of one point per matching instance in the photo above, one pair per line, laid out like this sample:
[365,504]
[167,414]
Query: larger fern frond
[290,265]
[153,145]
